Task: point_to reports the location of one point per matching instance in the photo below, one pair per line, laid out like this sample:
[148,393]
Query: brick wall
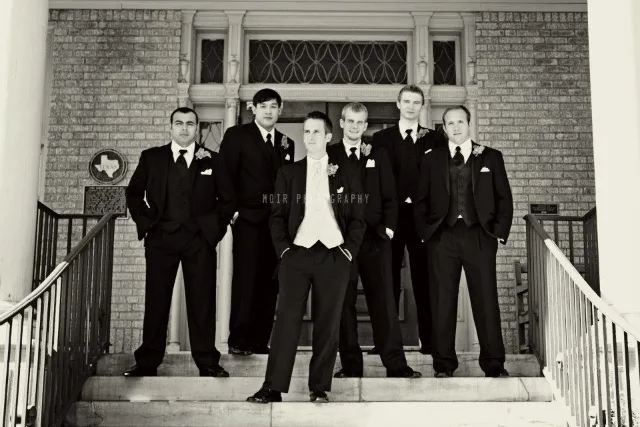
[114,86]
[535,106]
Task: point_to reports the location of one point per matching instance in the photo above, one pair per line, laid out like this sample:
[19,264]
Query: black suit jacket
[252,166]
[212,199]
[287,209]
[391,140]
[378,184]
[490,185]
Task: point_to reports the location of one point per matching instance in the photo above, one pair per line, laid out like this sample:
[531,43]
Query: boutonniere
[477,150]
[201,154]
[422,132]
[285,142]
[332,169]
[365,149]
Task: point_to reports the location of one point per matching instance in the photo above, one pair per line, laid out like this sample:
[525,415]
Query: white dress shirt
[265,132]
[188,156]
[403,130]
[348,147]
[319,222]
[465,149]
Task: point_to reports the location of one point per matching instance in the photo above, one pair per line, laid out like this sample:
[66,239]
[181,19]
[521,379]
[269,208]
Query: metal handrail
[51,341]
[587,350]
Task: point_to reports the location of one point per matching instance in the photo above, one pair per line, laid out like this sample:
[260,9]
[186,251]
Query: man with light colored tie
[317,225]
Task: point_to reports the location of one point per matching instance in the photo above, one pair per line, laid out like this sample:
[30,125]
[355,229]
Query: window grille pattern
[211,135]
[334,62]
[444,62]
[212,62]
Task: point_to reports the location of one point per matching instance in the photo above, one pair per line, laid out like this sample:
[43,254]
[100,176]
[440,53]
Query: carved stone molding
[209,19]
[328,20]
[231,103]
[448,95]
[207,94]
[328,93]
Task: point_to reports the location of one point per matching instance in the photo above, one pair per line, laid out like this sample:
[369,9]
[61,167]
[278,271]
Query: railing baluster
[571,254]
[627,378]
[13,412]
[40,358]
[24,392]
[585,326]
[598,369]
[616,381]
[8,327]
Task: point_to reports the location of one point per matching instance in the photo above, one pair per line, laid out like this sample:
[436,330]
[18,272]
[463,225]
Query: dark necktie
[181,163]
[458,158]
[353,159]
[269,140]
[408,137]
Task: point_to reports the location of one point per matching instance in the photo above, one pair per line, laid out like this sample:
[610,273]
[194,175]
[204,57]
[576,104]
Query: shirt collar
[265,132]
[175,148]
[465,148]
[403,129]
[347,148]
[324,162]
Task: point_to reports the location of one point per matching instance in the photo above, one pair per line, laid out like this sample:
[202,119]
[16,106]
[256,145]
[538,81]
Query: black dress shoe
[498,374]
[318,397]
[214,371]
[444,374]
[404,373]
[373,351]
[343,373]
[240,351]
[426,349]
[260,349]
[265,395]
[140,371]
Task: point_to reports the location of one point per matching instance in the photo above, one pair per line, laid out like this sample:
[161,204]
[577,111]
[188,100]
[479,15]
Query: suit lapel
[444,164]
[194,168]
[301,177]
[163,171]
[476,164]
[334,185]
[262,145]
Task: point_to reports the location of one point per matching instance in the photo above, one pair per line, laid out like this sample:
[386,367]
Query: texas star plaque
[107,166]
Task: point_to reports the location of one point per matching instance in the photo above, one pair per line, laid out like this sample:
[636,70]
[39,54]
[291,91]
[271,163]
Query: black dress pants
[405,235]
[326,273]
[163,253]
[471,248]
[254,291]
[374,265]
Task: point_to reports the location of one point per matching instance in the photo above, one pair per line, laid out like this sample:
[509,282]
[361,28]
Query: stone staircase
[178,397]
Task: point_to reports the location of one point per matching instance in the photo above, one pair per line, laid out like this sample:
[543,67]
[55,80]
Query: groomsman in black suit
[317,225]
[462,209]
[405,143]
[253,153]
[374,259]
[189,203]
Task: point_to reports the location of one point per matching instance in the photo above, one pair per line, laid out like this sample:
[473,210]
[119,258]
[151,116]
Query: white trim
[327,93]
[345,21]
[446,21]
[346,6]
[207,93]
[448,95]
[211,20]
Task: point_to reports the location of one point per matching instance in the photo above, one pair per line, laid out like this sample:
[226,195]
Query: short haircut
[265,95]
[319,115]
[457,107]
[356,107]
[183,110]
[412,89]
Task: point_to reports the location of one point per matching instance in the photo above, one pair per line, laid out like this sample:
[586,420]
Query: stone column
[23,35]
[615,101]
[472,105]
[235,41]
[421,61]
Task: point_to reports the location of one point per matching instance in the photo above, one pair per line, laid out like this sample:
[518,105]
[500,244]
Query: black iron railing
[588,352]
[55,236]
[51,341]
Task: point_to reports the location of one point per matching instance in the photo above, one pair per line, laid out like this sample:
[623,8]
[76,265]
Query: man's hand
[389,232]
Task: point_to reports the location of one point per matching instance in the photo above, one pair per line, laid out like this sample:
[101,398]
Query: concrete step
[343,390]
[181,364]
[297,414]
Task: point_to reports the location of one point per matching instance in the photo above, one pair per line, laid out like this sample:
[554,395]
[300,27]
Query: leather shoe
[343,373]
[260,349]
[214,371]
[444,374]
[373,351]
[404,373]
[265,395]
[318,397]
[139,371]
[240,351]
[498,374]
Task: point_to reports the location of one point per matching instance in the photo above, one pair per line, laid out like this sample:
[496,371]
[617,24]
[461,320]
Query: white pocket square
[340,190]
[206,172]
[371,163]
[287,157]
[428,151]
[485,169]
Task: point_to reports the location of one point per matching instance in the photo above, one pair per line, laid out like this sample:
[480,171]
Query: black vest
[408,174]
[461,194]
[178,203]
